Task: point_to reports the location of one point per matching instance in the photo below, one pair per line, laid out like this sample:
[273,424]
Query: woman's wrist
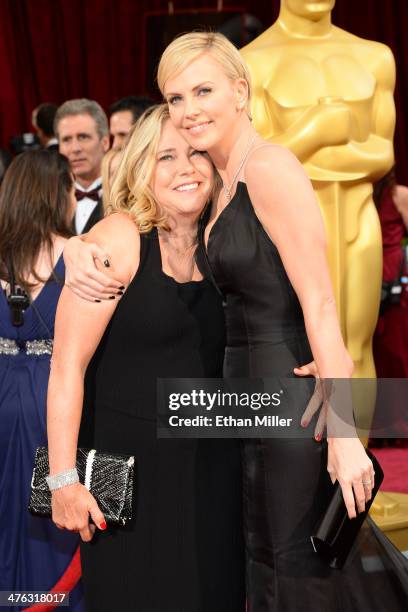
[62,479]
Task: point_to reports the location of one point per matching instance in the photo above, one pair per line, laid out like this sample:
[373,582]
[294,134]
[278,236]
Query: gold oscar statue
[327,95]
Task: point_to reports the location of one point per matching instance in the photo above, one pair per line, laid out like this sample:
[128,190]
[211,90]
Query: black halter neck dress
[183,549]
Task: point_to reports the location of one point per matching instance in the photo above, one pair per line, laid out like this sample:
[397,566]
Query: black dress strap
[150,255]
[201,253]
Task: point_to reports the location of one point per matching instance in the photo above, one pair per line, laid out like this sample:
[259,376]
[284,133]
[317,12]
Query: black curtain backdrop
[53,50]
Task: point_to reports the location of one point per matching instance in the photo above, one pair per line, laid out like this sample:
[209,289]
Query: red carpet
[66,583]
[394,462]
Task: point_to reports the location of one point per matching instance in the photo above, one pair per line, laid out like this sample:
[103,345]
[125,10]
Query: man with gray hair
[81,127]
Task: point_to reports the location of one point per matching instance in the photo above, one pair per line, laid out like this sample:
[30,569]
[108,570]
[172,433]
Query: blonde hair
[106,175]
[187,47]
[130,192]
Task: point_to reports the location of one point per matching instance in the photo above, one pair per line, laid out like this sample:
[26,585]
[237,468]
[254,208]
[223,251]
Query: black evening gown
[184,549]
[286,484]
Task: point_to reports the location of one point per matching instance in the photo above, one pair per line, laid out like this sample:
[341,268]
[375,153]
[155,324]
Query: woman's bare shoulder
[113,228]
[270,162]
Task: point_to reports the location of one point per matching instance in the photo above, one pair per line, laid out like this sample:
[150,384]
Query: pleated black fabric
[184,550]
[286,484]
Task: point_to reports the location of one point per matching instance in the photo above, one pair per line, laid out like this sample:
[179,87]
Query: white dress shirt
[51,143]
[86,206]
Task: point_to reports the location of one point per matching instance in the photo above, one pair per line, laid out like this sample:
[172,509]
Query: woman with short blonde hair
[184,49]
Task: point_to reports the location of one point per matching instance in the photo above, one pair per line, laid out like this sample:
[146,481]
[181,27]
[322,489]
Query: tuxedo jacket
[96,215]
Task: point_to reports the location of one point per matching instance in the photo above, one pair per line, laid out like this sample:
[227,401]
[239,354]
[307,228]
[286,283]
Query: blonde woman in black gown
[265,247]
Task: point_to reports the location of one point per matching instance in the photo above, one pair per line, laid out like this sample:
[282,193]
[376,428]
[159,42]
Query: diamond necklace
[228,190]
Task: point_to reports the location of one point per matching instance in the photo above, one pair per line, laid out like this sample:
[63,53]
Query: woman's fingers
[58,525]
[359,494]
[84,296]
[354,470]
[97,515]
[321,423]
[94,282]
[93,288]
[349,500]
[315,401]
[71,508]
[82,275]
[368,482]
[100,255]
[86,533]
[309,369]
[313,405]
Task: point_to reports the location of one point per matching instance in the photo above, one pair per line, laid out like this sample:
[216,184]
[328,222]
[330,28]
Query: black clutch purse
[335,534]
[109,477]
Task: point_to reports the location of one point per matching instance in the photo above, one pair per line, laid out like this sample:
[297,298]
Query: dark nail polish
[106,263]
[119,293]
[122,288]
[98,301]
[111,297]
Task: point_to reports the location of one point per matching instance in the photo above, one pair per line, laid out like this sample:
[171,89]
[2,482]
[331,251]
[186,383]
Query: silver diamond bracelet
[57,481]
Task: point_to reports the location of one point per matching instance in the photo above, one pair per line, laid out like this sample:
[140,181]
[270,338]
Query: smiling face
[182,179]
[81,143]
[204,103]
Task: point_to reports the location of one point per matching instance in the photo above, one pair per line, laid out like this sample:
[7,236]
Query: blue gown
[34,554]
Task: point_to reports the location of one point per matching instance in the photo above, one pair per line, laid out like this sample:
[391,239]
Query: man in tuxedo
[81,127]
[42,119]
[123,115]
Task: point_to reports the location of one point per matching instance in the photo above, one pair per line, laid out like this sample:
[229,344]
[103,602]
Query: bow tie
[92,195]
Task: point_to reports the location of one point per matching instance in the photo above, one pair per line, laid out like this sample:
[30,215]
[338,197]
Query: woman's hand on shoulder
[81,273]
[118,235]
[88,259]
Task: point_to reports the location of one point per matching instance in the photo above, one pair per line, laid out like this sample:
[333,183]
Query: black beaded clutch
[109,477]
[335,534]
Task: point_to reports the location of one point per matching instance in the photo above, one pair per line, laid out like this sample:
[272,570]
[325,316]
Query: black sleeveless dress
[183,551]
[286,484]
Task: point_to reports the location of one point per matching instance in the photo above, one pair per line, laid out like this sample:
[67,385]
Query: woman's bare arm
[79,327]
[285,203]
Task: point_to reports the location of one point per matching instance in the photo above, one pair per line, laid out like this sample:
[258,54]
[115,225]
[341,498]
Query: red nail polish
[305,423]
[318,437]
[103,526]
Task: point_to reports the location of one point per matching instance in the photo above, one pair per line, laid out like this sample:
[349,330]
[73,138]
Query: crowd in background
[51,190]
